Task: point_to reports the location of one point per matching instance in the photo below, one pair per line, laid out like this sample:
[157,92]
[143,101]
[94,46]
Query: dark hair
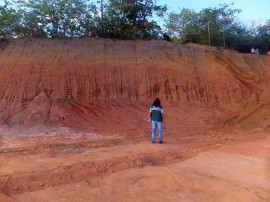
[156,103]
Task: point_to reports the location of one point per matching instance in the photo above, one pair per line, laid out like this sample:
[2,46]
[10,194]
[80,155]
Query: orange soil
[74,122]
[78,166]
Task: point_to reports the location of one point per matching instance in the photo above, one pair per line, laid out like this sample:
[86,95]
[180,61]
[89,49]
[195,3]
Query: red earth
[73,122]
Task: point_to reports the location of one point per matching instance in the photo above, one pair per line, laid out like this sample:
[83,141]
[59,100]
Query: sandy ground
[81,166]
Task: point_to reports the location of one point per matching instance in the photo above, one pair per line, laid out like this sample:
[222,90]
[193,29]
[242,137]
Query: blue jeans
[156,124]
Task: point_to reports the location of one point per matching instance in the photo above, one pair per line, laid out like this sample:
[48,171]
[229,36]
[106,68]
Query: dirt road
[81,166]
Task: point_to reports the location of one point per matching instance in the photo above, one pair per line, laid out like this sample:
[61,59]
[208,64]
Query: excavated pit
[74,120]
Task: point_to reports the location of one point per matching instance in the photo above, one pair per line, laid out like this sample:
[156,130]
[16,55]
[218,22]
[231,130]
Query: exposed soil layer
[73,122]
[89,83]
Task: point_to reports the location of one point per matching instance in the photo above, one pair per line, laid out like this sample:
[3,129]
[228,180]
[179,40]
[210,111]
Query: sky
[258,10]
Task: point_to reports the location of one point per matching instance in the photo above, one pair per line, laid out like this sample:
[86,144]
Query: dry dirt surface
[77,166]
[73,122]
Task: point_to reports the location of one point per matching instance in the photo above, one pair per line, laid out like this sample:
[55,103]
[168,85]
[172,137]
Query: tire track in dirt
[18,183]
[60,146]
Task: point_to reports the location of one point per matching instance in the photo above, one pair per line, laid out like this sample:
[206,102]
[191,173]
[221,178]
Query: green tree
[53,18]
[216,21]
[208,26]
[226,18]
[132,19]
[183,26]
[9,20]
[262,37]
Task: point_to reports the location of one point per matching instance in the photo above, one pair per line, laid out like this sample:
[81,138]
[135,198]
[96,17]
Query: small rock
[41,184]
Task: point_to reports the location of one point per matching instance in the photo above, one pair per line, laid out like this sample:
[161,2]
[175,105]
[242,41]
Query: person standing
[257,51]
[156,118]
[166,37]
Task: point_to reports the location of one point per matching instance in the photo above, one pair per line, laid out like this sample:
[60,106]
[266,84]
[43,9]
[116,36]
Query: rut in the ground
[21,182]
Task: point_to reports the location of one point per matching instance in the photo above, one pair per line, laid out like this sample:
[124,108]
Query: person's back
[156,117]
[156,113]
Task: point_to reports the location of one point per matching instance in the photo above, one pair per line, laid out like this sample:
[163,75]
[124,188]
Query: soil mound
[92,83]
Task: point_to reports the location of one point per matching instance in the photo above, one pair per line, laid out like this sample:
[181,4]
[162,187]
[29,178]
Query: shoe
[160,141]
[153,142]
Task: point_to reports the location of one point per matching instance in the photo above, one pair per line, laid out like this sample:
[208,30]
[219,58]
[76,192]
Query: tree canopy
[123,19]
[218,26]
[131,19]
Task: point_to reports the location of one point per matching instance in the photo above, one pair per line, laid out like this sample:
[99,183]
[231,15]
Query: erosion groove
[54,82]
[74,121]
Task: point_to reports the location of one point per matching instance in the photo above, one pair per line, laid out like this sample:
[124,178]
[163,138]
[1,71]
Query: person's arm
[162,114]
[150,118]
